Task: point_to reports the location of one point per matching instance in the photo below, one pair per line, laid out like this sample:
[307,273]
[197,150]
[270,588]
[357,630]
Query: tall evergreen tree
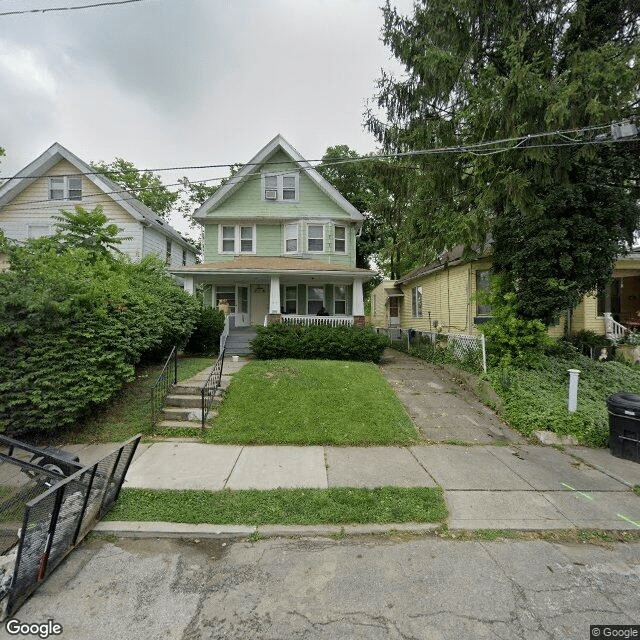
[559,208]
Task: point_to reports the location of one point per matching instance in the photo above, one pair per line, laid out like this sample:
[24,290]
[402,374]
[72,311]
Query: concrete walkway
[499,483]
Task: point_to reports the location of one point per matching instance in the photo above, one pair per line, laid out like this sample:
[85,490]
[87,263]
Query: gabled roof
[54,154]
[448,258]
[252,168]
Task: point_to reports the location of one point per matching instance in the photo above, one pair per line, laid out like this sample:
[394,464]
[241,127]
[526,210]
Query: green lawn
[130,411]
[283,506]
[311,402]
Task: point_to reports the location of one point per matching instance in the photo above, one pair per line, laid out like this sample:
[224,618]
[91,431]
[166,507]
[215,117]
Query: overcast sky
[183,82]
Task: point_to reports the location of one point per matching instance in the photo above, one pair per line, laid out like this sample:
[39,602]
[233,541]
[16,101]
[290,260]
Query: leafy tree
[377,189]
[559,208]
[88,230]
[143,185]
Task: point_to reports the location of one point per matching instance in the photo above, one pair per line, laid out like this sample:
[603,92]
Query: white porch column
[274,296]
[189,285]
[358,298]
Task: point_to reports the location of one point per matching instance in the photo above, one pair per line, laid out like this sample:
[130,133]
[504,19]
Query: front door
[242,308]
[259,304]
[394,312]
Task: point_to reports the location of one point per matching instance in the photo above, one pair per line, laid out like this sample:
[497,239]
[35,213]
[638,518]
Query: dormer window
[65,188]
[279,187]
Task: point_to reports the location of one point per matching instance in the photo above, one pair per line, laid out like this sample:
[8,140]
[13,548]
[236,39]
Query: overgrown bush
[511,339]
[73,325]
[318,342]
[536,399]
[205,337]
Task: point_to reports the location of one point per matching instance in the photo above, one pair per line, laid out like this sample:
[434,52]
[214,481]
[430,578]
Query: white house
[57,180]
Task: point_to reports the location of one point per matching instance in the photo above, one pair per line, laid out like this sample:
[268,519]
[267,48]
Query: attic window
[65,188]
[277,187]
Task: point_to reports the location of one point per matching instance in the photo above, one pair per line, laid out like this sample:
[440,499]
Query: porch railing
[612,329]
[224,335]
[160,390]
[212,384]
[332,321]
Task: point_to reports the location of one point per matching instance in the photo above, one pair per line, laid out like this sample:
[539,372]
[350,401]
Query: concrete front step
[185,424]
[183,400]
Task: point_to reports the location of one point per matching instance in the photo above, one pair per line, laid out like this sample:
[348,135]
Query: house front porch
[259,291]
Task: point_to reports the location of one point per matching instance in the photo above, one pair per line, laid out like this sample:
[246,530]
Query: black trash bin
[624,425]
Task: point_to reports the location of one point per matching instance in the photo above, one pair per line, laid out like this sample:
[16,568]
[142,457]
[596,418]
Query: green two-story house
[280,245]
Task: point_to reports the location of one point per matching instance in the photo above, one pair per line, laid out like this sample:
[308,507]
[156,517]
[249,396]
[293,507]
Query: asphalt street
[324,588]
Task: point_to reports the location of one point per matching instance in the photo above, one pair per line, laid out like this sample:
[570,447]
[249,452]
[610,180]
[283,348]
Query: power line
[521,142]
[75,8]
[258,175]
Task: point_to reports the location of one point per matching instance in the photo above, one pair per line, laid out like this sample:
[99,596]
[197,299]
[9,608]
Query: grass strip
[337,505]
[311,402]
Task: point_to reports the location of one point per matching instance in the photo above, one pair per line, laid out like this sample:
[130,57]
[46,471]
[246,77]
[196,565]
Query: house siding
[247,200]
[33,207]
[270,242]
[445,300]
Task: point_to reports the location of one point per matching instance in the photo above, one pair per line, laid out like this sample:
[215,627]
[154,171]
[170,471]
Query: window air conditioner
[271,194]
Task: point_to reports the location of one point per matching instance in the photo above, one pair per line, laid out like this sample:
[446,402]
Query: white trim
[324,297]
[346,236]
[237,239]
[295,288]
[298,234]
[324,237]
[416,309]
[346,299]
[279,188]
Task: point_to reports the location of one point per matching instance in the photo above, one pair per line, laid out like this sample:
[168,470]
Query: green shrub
[536,399]
[73,325]
[511,339]
[205,338]
[318,342]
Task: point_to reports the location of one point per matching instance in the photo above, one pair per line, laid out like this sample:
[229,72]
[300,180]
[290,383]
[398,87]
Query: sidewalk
[497,481]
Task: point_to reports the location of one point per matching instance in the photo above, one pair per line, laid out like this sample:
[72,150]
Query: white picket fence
[461,343]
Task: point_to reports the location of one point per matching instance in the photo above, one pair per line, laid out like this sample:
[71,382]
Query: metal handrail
[224,335]
[160,390]
[209,388]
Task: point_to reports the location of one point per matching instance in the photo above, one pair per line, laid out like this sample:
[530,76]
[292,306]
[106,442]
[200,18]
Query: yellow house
[441,297]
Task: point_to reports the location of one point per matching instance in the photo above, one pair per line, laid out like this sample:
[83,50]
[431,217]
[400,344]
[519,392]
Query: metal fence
[209,388]
[167,378]
[461,344]
[56,521]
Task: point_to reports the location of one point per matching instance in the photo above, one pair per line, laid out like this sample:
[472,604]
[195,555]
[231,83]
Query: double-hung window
[237,238]
[340,300]
[291,299]
[340,239]
[184,257]
[291,238]
[416,302]
[65,188]
[315,299]
[168,256]
[315,238]
[278,187]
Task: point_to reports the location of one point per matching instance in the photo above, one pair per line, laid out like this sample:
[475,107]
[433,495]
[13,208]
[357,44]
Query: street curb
[129,529]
